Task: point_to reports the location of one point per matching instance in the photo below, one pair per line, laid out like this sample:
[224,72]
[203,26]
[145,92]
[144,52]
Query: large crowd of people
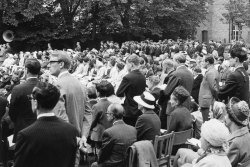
[59,104]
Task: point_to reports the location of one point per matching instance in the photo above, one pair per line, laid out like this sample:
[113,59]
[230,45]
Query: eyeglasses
[108,113]
[30,97]
[54,61]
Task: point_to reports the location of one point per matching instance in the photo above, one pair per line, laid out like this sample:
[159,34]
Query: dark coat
[20,107]
[148,126]
[236,85]
[220,51]
[180,120]
[115,142]
[133,84]
[196,87]
[48,142]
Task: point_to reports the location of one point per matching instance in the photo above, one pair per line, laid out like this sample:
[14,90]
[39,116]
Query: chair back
[163,148]
[181,137]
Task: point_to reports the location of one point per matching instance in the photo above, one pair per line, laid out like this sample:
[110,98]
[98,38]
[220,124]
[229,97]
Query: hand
[82,143]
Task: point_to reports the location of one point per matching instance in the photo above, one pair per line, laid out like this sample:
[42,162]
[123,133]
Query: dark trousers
[205,113]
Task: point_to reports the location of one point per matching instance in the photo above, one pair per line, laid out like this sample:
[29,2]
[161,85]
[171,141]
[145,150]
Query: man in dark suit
[220,49]
[180,77]
[133,84]
[116,139]
[148,124]
[237,83]
[49,141]
[20,107]
[209,87]
[197,83]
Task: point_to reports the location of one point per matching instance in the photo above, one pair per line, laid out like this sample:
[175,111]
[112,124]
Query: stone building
[217,28]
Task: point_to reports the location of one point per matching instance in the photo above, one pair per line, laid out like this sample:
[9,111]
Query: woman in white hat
[148,124]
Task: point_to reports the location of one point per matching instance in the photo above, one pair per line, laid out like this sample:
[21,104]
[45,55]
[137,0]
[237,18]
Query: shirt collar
[183,65]
[51,114]
[118,121]
[238,133]
[31,78]
[64,72]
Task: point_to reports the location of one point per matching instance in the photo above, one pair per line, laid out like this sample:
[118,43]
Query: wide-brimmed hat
[147,100]
[239,111]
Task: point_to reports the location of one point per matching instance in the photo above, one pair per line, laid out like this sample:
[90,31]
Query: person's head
[115,112]
[238,55]
[197,71]
[208,61]
[218,111]
[44,97]
[179,96]
[79,60]
[59,61]
[237,114]
[32,66]
[92,92]
[104,89]
[153,81]
[167,65]
[214,135]
[179,58]
[132,62]
[146,101]
[225,65]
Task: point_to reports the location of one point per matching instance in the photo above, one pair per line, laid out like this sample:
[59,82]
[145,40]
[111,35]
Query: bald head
[117,110]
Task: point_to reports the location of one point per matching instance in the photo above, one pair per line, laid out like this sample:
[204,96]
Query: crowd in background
[171,85]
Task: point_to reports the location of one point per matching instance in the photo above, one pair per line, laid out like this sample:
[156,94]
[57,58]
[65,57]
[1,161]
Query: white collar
[51,114]
[64,72]
[181,66]
[31,78]
[116,121]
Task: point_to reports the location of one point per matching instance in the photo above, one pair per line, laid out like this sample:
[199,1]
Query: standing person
[209,87]
[180,77]
[237,120]
[133,84]
[237,83]
[198,77]
[49,141]
[75,93]
[116,139]
[20,107]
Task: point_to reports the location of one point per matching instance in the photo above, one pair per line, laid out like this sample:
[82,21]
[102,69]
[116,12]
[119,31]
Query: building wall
[217,26]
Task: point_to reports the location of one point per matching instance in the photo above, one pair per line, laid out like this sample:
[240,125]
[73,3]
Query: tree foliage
[37,21]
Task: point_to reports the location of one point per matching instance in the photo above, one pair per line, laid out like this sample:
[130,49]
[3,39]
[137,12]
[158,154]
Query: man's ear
[61,65]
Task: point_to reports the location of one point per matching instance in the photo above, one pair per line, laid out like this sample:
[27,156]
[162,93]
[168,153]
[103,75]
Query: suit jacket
[220,51]
[115,142]
[236,85]
[99,119]
[180,120]
[48,142]
[239,146]
[181,77]
[209,87]
[76,99]
[133,84]
[196,87]
[20,107]
[148,126]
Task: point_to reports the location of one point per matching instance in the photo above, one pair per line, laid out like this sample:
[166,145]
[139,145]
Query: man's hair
[134,59]
[239,52]
[33,66]
[168,63]
[62,57]
[180,57]
[105,88]
[46,94]
[181,94]
[209,59]
[117,110]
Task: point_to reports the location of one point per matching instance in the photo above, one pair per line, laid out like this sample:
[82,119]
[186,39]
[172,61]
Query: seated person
[214,135]
[236,120]
[218,111]
[180,118]
[148,124]
[115,140]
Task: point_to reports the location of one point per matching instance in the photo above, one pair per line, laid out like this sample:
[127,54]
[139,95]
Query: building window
[235,32]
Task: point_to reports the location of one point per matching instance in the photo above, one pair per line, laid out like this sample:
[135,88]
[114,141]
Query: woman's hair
[219,110]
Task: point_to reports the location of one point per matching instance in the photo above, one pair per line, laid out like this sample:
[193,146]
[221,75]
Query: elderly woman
[214,135]
[180,118]
[218,111]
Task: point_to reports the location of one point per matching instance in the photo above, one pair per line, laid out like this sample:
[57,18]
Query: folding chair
[163,148]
